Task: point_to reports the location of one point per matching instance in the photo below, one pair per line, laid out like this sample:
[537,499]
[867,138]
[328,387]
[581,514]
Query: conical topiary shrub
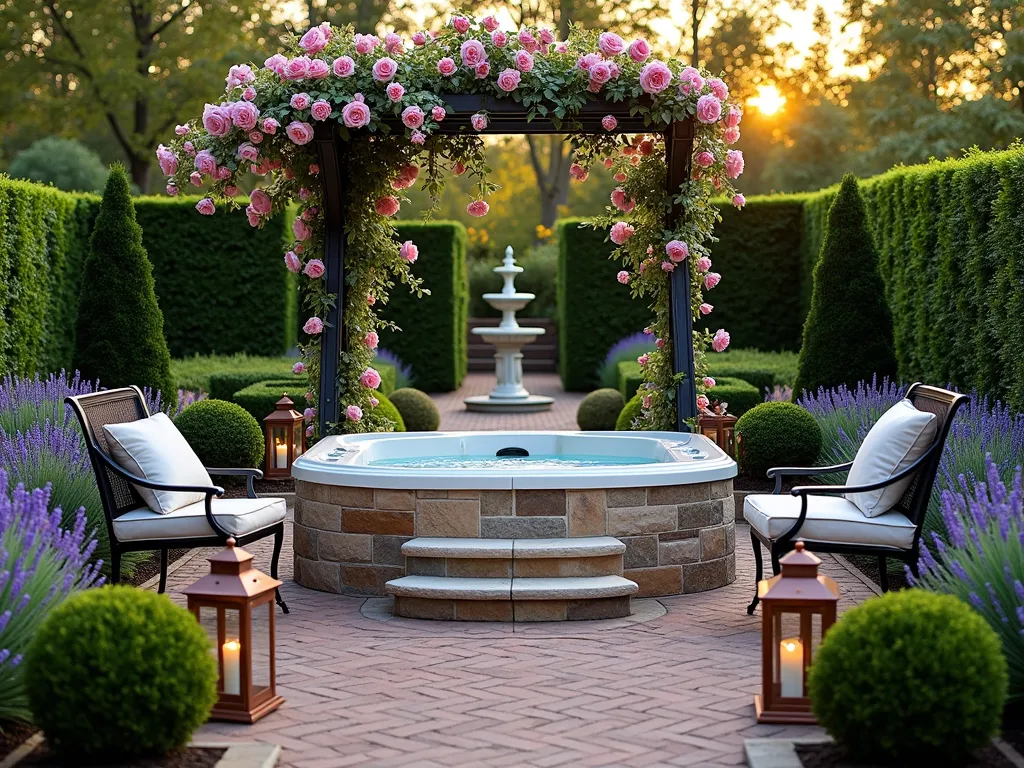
[119,332]
[848,332]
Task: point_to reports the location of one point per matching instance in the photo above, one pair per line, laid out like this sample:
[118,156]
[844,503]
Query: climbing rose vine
[363,86]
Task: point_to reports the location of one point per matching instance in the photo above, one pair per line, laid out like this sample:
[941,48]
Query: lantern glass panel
[222,626]
[789,654]
[297,441]
[279,441]
[711,434]
[261,651]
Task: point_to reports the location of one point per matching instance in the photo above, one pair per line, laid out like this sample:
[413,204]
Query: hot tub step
[442,587]
[506,558]
[590,588]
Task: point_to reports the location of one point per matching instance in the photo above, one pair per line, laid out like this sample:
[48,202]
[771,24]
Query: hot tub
[666,495]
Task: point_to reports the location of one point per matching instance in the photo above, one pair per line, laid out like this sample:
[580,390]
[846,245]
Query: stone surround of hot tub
[678,538]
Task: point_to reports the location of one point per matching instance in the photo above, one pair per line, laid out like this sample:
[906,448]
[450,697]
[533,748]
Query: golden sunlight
[768,100]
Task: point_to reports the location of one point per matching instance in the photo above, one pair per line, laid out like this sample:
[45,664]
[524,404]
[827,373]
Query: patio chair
[133,526]
[826,522]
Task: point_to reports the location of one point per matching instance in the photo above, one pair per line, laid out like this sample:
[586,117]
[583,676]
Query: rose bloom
[646,147]
[255,137]
[173,190]
[314,269]
[508,80]
[206,206]
[300,133]
[644,359]
[619,177]
[719,88]
[479,121]
[261,202]
[668,266]
[702,402]
[393,44]
[461,24]
[419,39]
[490,23]
[458,169]
[499,38]
[384,69]
[620,201]
[524,61]
[249,93]
[677,250]
[319,69]
[705,308]
[353,413]
[547,37]
[217,120]
[483,69]
[206,163]
[659,343]
[180,130]
[299,368]
[733,163]
[406,177]
[321,110]
[709,382]
[690,81]
[587,61]
[528,41]
[371,339]
[308,414]
[621,232]
[252,216]
[446,66]
[473,53]
[168,160]
[709,108]
[371,300]
[600,73]
[370,378]
[270,126]
[355,114]
[296,69]
[610,44]
[387,205]
[733,117]
[639,50]
[703,264]
[623,277]
[313,326]
[609,123]
[409,251]
[721,340]
[655,77]
[478,208]
[196,179]
[739,200]
[365,44]
[313,41]
[438,113]
[276,63]
[222,173]
[731,135]
[704,159]
[301,229]
[412,117]
[711,279]
[343,66]
[395,91]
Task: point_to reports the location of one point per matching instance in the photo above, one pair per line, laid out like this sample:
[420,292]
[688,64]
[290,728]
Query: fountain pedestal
[509,338]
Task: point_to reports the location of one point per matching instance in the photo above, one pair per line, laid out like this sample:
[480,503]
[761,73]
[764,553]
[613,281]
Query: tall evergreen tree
[848,332]
[119,332]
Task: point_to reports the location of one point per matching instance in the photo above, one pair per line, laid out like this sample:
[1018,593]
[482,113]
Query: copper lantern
[234,603]
[720,428]
[799,607]
[286,438]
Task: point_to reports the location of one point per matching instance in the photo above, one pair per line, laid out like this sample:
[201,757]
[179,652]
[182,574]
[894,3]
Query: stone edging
[244,754]
[781,753]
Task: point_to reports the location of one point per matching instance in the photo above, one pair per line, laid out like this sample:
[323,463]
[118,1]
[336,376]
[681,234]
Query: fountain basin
[667,496]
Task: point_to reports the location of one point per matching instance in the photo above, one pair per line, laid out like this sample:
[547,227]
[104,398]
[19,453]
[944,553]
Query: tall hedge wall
[221,285]
[594,310]
[433,336]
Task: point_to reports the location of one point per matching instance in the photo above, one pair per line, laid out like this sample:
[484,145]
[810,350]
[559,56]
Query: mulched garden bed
[190,757]
[150,567]
[831,755]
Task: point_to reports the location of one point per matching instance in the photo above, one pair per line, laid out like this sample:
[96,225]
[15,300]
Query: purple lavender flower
[628,348]
[403,371]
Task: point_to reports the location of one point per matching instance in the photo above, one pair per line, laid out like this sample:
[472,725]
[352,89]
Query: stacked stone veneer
[679,538]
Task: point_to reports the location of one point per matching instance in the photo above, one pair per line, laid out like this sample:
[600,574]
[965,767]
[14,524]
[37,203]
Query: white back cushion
[896,441]
[153,448]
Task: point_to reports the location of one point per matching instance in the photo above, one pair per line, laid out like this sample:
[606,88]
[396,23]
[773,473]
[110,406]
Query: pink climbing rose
[709,108]
[711,279]
[407,176]
[270,126]
[321,110]
[718,87]
[478,208]
[301,229]
[353,413]
[703,402]
[313,326]
[447,66]
[261,202]
[409,251]
[703,264]
[299,132]
[461,24]
[384,69]
[473,53]
[370,378]
[371,339]
[313,41]
[733,163]
[314,269]
[524,61]
[677,250]
[217,119]
[620,201]
[438,113]
[621,232]
[395,91]
[733,117]
[721,340]
[609,123]
[655,77]
[704,159]
[387,205]
[479,121]
[319,69]
[412,117]
[639,50]
[343,66]
[499,38]
[292,262]
[578,172]
[623,277]
[610,44]
[356,114]
[706,309]
[483,69]
[206,206]
[299,368]
[490,23]
[709,382]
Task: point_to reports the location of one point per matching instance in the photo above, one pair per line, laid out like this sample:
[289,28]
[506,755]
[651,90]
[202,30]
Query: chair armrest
[249,474]
[810,490]
[117,469]
[779,472]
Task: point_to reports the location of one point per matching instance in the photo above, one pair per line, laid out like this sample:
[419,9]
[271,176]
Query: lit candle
[281,455]
[791,667]
[232,668]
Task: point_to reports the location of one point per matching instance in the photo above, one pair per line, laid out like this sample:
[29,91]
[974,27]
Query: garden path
[676,690]
[455,417]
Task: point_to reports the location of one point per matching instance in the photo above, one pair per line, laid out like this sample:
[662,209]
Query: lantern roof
[283,411]
[232,575]
[799,581]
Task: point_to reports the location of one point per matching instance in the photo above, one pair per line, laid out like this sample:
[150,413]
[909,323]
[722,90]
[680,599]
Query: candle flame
[232,645]
[790,647]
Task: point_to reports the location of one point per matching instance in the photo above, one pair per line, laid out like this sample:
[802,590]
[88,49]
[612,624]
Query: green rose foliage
[118,673]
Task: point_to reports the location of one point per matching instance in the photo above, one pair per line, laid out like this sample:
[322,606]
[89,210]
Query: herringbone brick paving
[673,691]
[455,417]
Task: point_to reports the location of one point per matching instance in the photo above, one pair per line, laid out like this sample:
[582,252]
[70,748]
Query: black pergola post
[504,117]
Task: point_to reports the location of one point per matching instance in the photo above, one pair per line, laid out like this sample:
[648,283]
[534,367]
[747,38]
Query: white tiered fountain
[509,396]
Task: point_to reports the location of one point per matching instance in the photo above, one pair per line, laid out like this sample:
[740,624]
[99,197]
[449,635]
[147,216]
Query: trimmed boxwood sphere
[777,434]
[629,412]
[600,409]
[739,394]
[910,678]
[417,409]
[222,434]
[119,672]
[386,408]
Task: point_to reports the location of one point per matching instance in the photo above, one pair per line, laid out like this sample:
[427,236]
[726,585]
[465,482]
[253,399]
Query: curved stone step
[593,546]
[450,588]
[452,548]
[581,588]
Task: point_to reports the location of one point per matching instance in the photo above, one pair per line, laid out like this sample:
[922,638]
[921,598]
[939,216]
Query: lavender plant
[982,561]
[403,371]
[41,563]
[627,348]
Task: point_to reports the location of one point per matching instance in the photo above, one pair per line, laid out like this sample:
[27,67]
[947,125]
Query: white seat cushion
[830,519]
[239,517]
[898,439]
[153,448]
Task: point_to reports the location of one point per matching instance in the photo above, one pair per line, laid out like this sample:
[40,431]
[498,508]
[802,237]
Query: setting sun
[768,100]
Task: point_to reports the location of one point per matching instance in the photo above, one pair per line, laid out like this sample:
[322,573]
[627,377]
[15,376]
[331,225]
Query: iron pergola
[505,117]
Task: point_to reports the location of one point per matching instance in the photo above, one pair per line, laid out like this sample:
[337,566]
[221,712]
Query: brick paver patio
[455,417]
[676,690]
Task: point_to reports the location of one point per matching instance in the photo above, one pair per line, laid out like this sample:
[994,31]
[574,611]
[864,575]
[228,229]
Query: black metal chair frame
[913,504]
[118,493]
